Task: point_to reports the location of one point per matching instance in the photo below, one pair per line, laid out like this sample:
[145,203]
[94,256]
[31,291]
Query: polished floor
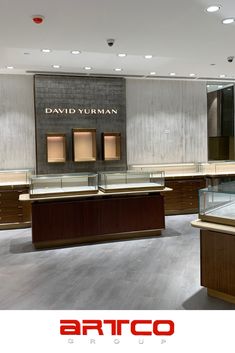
[152,273]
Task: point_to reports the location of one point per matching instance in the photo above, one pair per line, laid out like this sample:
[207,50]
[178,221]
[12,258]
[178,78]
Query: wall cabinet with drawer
[13,213]
[184,196]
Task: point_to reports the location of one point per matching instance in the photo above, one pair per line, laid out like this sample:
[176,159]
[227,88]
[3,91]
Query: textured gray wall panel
[17,126]
[166,121]
[79,92]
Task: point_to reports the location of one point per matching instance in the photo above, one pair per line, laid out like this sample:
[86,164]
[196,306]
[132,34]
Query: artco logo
[117,327]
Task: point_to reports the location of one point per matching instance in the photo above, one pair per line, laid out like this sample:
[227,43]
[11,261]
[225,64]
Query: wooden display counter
[13,213]
[99,217]
[184,197]
[217,244]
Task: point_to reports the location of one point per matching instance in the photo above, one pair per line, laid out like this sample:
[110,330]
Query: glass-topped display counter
[217,204]
[131,181]
[15,177]
[184,169]
[63,184]
[175,169]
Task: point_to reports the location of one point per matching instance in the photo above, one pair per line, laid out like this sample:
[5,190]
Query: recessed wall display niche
[56,148]
[111,146]
[84,145]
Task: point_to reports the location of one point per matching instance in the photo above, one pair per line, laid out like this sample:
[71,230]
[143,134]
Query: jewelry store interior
[117,175]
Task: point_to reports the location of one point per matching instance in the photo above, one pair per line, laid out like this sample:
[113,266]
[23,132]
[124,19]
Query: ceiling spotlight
[56,66]
[122,55]
[221,76]
[10,67]
[213,8]
[148,56]
[227,21]
[87,68]
[75,52]
[208,86]
[118,69]
[192,75]
[172,74]
[152,73]
[220,86]
[46,50]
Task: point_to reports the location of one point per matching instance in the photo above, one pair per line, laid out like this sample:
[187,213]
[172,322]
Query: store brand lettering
[81,111]
[117,327]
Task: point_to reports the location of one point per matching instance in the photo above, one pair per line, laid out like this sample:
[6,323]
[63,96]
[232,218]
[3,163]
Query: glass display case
[217,204]
[130,181]
[111,146]
[56,148]
[15,177]
[217,167]
[63,184]
[84,145]
[171,169]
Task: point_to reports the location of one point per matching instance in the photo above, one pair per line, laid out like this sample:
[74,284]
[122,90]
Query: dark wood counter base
[218,264]
[98,238]
[219,295]
[83,220]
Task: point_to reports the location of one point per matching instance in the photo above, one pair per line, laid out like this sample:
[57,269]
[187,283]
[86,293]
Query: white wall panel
[17,126]
[166,121]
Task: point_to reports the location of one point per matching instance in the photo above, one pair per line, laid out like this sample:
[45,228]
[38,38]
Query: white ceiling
[180,35]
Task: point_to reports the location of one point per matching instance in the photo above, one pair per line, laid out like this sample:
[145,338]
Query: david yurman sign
[80,111]
[64,104]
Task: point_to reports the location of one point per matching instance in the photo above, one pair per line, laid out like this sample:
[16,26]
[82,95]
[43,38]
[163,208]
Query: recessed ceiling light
[172,74]
[208,86]
[75,52]
[152,73]
[46,50]
[227,21]
[56,66]
[118,69]
[220,86]
[192,75]
[221,76]
[213,8]
[87,68]
[122,55]
[10,67]
[148,56]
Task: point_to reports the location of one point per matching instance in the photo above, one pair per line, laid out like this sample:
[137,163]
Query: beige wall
[166,121]
[17,129]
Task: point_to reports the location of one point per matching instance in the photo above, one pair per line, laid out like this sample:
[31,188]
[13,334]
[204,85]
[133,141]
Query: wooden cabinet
[14,213]
[218,263]
[99,218]
[184,196]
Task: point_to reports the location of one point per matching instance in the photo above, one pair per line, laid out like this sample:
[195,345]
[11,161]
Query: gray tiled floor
[153,273]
